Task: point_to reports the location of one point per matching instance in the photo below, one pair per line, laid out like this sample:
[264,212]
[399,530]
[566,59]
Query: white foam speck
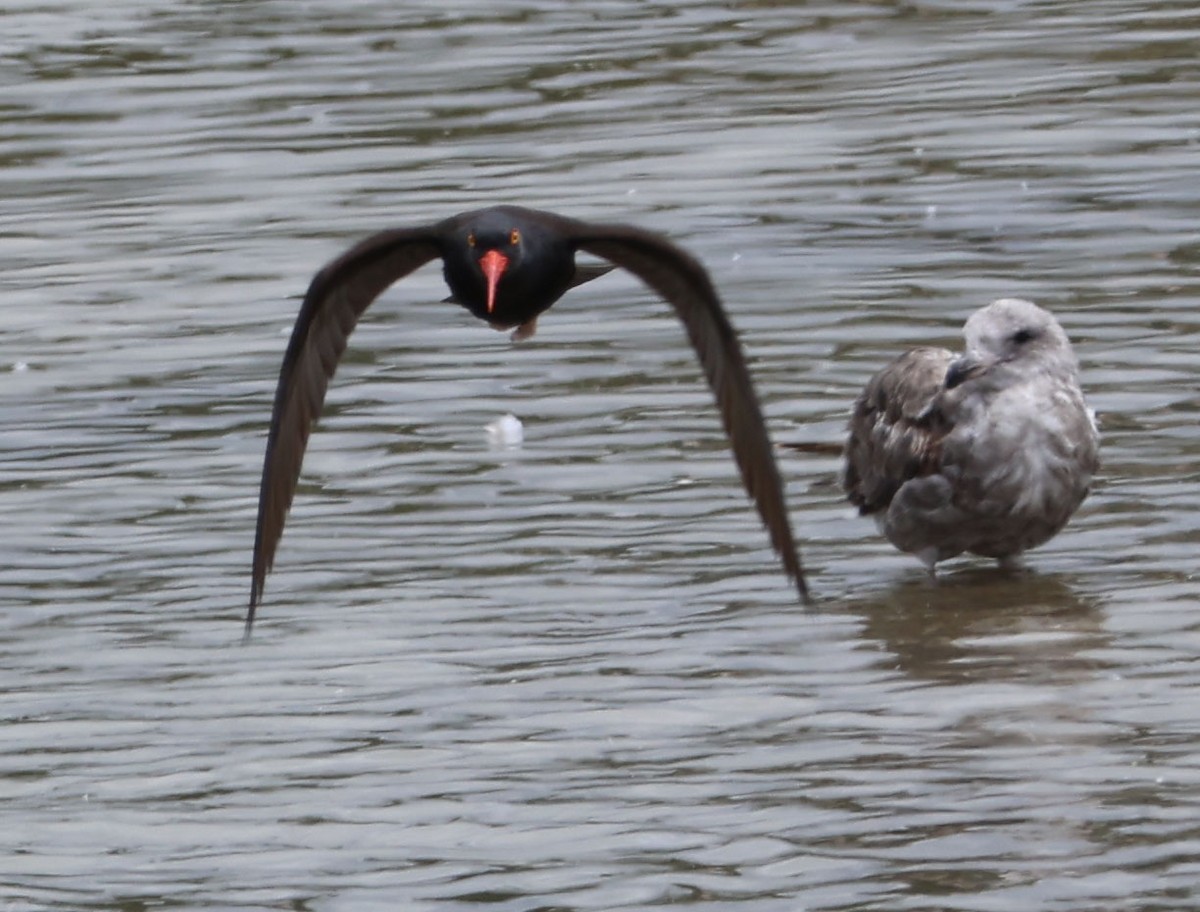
[506,432]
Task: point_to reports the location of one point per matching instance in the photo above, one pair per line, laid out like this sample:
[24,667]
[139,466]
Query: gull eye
[470,240]
[1021,336]
[515,237]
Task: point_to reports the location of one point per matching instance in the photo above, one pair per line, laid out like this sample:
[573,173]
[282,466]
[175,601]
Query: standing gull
[988,453]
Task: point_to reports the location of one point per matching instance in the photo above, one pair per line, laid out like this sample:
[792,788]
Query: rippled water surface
[570,676]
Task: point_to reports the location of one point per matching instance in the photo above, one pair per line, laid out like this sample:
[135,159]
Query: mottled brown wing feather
[895,435]
[336,298]
[685,285]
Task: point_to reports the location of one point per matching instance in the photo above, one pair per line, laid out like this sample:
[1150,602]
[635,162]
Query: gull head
[1011,336]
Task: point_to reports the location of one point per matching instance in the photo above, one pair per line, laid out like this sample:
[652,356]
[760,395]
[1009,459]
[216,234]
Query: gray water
[570,676]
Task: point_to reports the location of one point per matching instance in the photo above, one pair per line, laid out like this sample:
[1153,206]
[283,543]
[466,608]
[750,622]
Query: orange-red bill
[493,263]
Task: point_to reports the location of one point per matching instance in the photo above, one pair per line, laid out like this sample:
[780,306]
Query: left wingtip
[250,612]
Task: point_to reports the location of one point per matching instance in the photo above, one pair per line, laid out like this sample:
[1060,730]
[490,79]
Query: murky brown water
[571,677]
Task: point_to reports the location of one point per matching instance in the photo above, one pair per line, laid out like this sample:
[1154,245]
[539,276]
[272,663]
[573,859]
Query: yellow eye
[470,240]
[515,237]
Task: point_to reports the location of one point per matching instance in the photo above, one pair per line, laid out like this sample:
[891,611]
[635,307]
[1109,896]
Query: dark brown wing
[895,435]
[337,297]
[585,272]
[686,286]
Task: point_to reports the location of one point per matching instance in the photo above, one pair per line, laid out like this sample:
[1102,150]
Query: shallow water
[571,676]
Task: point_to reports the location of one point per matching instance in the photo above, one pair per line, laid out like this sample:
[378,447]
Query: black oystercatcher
[990,452]
[506,265]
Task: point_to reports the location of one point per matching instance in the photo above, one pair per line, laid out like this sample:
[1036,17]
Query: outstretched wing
[895,433]
[585,272]
[685,285]
[336,298]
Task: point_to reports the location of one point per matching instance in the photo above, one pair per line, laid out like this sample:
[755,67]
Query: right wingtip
[793,567]
[802,589]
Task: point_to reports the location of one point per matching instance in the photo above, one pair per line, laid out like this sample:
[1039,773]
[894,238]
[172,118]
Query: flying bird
[507,265]
[989,452]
